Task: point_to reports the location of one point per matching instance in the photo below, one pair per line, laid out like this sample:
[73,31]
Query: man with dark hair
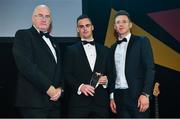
[37,56]
[133,70]
[86,74]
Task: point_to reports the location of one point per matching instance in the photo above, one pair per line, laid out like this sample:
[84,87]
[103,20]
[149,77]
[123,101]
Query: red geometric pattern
[168,20]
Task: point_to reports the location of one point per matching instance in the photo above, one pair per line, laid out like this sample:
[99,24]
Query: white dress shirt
[90,51]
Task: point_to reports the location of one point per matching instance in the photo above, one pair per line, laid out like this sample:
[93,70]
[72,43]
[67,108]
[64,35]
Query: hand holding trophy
[98,79]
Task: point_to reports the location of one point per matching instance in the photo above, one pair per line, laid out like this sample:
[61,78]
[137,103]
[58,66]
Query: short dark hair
[122,12]
[83,16]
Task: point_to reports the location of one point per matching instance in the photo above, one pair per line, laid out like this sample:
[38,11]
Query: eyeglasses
[84,26]
[41,16]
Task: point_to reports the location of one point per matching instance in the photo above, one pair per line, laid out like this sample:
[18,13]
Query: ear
[92,27]
[130,25]
[33,18]
[77,29]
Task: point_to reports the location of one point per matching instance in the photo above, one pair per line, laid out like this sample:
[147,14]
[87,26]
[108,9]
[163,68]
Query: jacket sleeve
[148,63]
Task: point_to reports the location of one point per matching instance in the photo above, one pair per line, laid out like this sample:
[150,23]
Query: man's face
[85,28]
[42,19]
[122,25]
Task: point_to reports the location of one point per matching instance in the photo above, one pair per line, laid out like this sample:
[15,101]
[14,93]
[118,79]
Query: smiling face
[85,28]
[122,25]
[42,18]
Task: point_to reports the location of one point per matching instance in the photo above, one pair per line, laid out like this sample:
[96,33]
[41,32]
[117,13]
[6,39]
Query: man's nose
[84,28]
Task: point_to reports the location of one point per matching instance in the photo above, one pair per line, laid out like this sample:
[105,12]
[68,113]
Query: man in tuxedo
[37,56]
[83,60]
[133,70]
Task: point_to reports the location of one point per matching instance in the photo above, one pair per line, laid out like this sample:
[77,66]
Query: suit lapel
[55,48]
[98,56]
[129,48]
[113,48]
[112,53]
[83,55]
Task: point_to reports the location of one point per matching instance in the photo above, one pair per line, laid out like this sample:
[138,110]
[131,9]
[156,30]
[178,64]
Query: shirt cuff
[79,92]
[105,85]
[112,96]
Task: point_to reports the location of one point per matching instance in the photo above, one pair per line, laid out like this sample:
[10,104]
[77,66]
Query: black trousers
[91,111]
[39,112]
[126,105]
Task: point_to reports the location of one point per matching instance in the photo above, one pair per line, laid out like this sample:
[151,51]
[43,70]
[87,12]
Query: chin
[122,32]
[43,29]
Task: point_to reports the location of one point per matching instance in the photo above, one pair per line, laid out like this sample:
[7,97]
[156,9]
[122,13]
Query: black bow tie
[86,42]
[120,41]
[45,34]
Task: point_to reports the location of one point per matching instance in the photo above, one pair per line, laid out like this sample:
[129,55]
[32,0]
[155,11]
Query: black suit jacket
[37,69]
[139,66]
[78,71]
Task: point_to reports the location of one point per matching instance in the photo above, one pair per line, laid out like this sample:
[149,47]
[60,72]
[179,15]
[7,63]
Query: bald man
[37,56]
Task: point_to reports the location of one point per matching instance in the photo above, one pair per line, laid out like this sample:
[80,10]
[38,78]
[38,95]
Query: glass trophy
[94,79]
